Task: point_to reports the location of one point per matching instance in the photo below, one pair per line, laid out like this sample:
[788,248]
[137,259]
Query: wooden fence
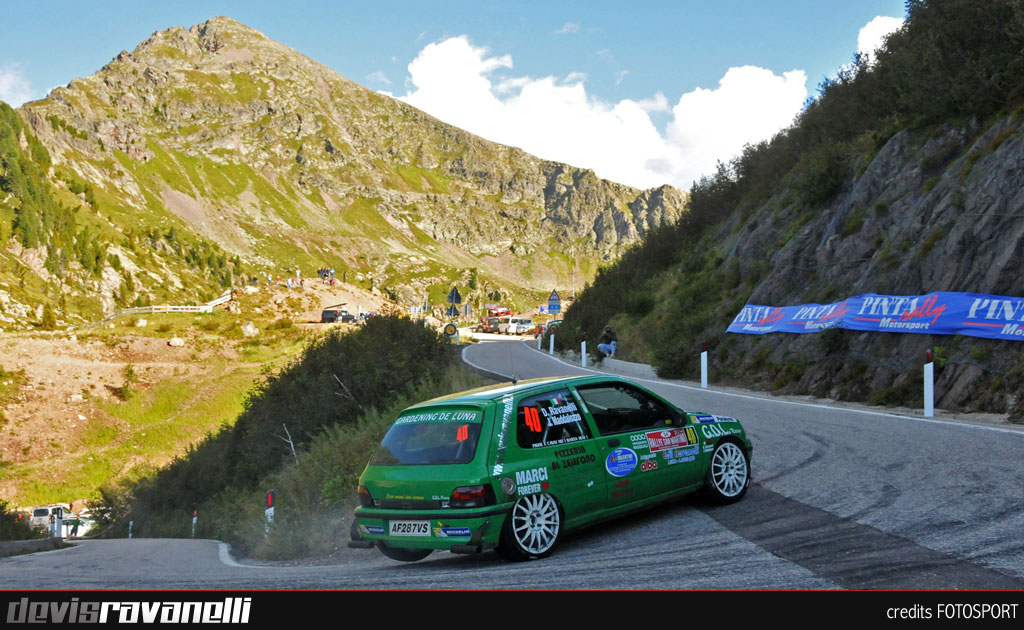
[166,308]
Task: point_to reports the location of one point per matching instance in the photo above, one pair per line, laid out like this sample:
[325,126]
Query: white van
[515,325]
[41,516]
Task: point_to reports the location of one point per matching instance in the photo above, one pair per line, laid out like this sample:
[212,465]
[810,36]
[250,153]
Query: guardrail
[166,308]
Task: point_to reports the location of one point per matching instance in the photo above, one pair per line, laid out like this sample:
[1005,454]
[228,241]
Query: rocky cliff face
[284,162]
[934,210]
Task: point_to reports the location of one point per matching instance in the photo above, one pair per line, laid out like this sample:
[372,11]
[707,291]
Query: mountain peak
[281,160]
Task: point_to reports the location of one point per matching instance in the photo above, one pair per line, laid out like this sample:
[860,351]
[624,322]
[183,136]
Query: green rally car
[513,467]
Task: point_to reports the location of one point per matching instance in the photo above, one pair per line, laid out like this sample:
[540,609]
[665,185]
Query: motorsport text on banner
[941,313]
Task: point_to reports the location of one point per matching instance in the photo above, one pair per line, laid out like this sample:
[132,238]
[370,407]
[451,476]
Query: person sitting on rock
[608,342]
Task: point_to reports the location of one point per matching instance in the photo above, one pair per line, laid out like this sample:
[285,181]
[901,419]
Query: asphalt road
[843,498]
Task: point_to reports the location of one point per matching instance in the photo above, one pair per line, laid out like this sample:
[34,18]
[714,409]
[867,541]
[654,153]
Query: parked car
[552,325]
[515,325]
[488,325]
[515,467]
[336,313]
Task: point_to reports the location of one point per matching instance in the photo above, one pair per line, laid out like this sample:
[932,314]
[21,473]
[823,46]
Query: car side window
[622,408]
[549,419]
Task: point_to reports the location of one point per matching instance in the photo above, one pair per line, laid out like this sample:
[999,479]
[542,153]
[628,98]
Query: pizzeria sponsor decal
[620,462]
[532,481]
[573,456]
[441,416]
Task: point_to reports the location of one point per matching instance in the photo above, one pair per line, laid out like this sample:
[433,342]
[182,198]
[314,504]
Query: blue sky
[646,94]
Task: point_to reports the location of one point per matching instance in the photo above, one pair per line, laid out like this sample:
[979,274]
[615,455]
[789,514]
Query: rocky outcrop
[934,210]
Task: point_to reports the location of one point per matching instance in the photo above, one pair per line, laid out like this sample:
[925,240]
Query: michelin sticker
[372,529]
[449,532]
[620,462]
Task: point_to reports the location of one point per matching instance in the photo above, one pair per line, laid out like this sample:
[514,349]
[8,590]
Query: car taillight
[472,496]
[365,499]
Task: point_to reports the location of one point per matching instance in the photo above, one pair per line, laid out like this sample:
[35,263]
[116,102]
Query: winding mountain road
[843,497]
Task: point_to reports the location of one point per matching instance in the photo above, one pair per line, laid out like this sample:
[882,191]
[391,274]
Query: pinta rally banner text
[942,313]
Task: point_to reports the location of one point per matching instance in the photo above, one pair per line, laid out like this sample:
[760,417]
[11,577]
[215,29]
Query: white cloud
[872,36]
[620,76]
[556,119]
[567,28]
[750,104]
[657,103]
[14,87]
[379,77]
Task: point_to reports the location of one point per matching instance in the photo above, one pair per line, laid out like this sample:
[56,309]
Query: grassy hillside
[333,404]
[880,185]
[75,251]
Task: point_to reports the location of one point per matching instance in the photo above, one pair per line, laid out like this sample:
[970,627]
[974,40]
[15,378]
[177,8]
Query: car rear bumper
[460,531]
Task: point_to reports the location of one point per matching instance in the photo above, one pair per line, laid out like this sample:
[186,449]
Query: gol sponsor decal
[713,431]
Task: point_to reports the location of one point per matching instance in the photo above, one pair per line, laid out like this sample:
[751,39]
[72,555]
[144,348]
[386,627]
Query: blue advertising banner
[941,313]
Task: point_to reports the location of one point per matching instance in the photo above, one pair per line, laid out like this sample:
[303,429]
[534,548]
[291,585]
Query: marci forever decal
[532,481]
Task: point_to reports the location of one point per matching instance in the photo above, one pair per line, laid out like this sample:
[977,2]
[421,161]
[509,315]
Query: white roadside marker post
[704,366]
[195,517]
[583,353]
[269,512]
[551,344]
[929,386]
[131,521]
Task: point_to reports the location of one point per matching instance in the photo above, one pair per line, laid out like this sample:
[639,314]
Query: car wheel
[728,474]
[401,554]
[531,528]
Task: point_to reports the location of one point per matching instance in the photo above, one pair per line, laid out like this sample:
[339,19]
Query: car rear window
[41,512]
[431,436]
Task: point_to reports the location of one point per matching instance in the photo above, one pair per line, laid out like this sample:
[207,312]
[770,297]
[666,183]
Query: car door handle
[613,443]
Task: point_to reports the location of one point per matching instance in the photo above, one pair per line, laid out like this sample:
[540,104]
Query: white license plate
[409,528]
